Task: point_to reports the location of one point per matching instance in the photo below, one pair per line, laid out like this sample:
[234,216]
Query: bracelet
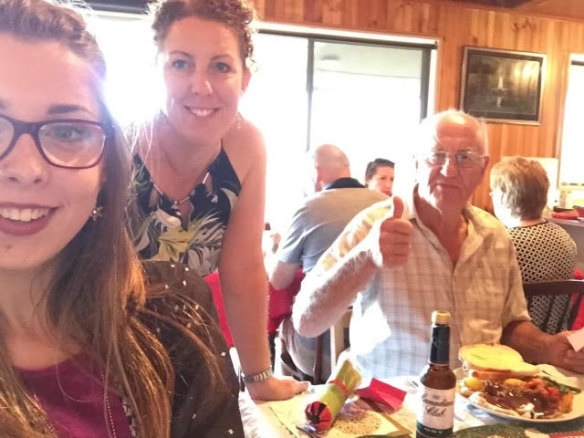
[258,377]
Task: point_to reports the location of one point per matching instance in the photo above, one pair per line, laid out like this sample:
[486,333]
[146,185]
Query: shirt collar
[468,212]
[344,183]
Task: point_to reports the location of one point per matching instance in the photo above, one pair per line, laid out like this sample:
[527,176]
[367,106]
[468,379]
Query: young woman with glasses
[88,347]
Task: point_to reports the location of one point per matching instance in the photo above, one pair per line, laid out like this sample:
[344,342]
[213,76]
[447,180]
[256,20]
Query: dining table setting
[388,408]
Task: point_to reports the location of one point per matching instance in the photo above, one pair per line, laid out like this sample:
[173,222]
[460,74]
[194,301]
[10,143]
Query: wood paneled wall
[457,25]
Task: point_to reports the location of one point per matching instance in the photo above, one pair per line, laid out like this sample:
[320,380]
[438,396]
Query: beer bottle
[436,412]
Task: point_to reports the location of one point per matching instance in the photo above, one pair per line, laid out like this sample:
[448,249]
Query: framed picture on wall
[502,86]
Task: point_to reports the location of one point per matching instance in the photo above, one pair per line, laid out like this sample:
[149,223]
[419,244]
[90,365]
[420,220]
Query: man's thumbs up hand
[390,238]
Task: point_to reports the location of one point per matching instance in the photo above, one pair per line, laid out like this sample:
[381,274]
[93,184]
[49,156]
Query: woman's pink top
[71,393]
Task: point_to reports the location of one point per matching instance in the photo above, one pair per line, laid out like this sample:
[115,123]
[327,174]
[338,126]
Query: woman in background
[86,351]
[545,251]
[379,175]
[201,175]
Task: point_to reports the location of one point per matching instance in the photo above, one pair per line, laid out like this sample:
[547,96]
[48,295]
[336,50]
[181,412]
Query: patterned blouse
[160,234]
[545,252]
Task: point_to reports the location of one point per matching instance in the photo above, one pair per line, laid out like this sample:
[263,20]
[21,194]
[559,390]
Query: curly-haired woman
[200,173]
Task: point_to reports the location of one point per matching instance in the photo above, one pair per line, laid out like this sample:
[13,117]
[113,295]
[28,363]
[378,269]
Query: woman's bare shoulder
[245,147]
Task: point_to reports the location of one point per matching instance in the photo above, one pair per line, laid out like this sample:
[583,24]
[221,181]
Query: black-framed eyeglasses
[463,159]
[66,143]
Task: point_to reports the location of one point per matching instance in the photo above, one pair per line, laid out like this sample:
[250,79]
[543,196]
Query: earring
[96,213]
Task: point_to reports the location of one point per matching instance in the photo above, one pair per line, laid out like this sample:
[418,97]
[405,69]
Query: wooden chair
[553,305]
[338,343]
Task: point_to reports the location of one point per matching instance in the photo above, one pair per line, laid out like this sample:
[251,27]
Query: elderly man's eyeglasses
[463,159]
[66,143]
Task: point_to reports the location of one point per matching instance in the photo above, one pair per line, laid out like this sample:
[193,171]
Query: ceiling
[559,8]
[573,9]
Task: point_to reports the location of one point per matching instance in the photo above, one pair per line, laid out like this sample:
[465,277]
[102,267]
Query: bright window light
[134,89]
[572,144]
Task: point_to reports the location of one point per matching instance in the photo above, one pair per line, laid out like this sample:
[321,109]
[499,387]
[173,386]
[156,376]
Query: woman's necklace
[108,407]
[201,179]
[110,415]
[176,203]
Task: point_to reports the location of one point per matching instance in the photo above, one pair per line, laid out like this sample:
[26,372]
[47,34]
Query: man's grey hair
[427,131]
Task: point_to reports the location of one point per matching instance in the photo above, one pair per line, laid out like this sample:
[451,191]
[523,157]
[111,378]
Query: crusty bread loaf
[494,361]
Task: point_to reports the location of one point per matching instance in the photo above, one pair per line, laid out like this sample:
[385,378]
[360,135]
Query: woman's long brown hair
[97,298]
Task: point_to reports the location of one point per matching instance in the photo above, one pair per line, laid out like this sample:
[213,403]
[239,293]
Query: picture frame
[502,85]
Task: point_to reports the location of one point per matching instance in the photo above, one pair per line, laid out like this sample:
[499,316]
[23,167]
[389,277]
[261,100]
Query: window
[571,179]
[364,96]
[366,99]
[125,40]
[573,135]
[276,101]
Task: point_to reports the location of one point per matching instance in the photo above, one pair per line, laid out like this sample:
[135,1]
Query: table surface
[569,222]
[260,421]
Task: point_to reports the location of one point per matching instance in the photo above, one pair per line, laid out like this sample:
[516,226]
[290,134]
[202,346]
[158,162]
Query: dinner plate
[552,372]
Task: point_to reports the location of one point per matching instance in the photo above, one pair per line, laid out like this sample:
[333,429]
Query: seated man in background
[314,227]
[443,254]
[379,175]
[545,251]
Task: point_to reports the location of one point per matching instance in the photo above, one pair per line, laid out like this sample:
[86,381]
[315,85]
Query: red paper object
[213,282]
[322,412]
[579,320]
[383,393]
[566,215]
[319,415]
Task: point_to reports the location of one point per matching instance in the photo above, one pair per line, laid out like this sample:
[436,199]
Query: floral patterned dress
[159,233]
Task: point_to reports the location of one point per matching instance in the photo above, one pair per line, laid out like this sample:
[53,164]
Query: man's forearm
[283,274]
[526,338]
[326,295]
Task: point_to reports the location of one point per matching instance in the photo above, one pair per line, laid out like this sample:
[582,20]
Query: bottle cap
[440,317]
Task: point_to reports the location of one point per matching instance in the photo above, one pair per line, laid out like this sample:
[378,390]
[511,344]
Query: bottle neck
[440,346]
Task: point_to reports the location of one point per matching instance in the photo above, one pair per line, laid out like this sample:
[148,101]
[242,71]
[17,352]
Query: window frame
[313,37]
[575,60]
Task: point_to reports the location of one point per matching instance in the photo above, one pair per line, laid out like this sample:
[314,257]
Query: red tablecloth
[279,308]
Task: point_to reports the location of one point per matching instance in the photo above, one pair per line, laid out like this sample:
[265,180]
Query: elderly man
[443,254]
[315,226]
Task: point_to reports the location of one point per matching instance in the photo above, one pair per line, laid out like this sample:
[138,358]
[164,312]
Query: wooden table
[260,420]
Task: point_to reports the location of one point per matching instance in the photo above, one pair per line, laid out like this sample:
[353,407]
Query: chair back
[553,305]
[338,343]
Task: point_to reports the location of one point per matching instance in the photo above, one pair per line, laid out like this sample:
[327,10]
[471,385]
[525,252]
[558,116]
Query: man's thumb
[398,207]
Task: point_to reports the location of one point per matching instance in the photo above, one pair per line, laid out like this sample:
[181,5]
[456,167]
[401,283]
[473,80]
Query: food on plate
[497,378]
[494,362]
[358,420]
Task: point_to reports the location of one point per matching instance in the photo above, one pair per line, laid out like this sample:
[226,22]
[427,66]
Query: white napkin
[577,339]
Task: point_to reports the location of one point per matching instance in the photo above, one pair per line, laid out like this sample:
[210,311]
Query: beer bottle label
[436,412]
